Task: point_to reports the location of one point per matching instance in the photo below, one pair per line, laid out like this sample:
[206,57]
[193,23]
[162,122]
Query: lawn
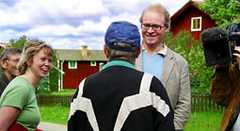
[62,92]
[199,121]
[54,114]
[204,121]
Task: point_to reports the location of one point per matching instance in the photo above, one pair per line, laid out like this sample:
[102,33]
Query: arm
[182,110]
[8,115]
[73,118]
[74,121]
[162,121]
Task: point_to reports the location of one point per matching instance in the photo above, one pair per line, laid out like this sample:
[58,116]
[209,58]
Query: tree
[191,49]
[19,43]
[223,12]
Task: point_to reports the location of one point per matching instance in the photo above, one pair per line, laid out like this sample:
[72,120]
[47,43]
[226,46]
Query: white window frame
[93,63]
[101,65]
[200,23]
[70,66]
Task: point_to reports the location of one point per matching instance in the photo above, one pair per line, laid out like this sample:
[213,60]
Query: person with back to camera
[18,105]
[168,66]
[119,97]
[9,59]
[225,90]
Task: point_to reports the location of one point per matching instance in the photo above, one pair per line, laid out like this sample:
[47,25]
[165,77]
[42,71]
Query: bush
[191,49]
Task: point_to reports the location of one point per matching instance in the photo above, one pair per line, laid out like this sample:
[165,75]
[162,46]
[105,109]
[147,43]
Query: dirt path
[46,126]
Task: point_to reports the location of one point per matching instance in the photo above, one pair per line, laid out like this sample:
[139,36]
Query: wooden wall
[72,77]
[183,22]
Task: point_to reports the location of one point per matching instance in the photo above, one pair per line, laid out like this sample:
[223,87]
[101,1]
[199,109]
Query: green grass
[62,92]
[199,121]
[204,121]
[54,114]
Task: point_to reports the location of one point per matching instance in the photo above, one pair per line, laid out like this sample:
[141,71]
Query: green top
[117,63]
[21,94]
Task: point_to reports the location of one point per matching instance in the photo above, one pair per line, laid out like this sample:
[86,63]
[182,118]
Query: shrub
[191,49]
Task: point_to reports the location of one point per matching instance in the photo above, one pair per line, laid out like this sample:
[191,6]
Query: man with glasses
[9,59]
[168,66]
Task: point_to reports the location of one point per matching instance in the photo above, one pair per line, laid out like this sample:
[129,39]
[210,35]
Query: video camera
[218,44]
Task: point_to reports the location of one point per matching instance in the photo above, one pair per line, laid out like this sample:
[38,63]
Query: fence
[204,102]
[53,100]
[200,102]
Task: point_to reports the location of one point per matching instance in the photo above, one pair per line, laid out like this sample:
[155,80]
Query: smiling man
[168,66]
[9,59]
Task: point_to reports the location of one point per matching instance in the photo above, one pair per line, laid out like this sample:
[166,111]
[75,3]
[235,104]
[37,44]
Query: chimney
[84,50]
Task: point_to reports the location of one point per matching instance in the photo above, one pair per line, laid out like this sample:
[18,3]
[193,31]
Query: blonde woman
[19,109]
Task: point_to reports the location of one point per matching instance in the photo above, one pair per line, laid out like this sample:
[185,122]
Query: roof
[186,6]
[4,44]
[76,55]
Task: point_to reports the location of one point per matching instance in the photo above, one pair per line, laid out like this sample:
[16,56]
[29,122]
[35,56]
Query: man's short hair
[160,9]
[8,52]
[113,53]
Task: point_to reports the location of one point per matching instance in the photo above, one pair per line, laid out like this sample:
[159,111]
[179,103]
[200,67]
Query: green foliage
[54,73]
[191,50]
[43,85]
[223,12]
[19,43]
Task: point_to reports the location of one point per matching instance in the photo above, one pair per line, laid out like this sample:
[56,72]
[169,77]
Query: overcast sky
[69,24]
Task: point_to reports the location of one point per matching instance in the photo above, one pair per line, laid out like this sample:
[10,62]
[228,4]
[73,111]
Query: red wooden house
[191,18]
[75,65]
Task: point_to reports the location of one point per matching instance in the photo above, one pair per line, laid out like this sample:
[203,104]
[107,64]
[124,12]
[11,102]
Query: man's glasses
[154,27]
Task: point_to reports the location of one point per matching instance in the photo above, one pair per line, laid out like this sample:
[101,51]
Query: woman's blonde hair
[30,48]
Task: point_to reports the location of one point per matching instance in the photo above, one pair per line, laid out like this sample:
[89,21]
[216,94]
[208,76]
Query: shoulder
[177,57]
[157,86]
[19,85]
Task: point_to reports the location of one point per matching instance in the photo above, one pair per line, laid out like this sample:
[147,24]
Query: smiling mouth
[45,70]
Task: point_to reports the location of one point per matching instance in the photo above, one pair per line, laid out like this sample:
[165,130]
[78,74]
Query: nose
[150,29]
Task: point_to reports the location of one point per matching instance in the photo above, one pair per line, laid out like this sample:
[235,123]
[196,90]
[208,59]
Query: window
[93,63]
[196,24]
[72,65]
[101,65]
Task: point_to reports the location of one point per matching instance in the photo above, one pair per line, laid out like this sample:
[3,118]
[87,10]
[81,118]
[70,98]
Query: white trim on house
[196,23]
[72,64]
[93,63]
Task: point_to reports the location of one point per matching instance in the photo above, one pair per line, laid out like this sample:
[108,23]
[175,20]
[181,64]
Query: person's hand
[237,48]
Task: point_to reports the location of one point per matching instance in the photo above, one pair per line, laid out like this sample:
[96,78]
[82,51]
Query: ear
[166,29]
[139,51]
[3,64]
[29,62]
[105,51]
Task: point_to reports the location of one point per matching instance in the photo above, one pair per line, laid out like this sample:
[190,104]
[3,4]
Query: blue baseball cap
[123,32]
